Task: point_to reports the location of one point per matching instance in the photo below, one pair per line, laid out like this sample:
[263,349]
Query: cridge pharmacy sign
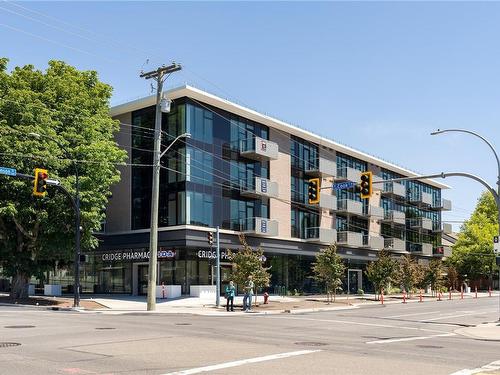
[135,254]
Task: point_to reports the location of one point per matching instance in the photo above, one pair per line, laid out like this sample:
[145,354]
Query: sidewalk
[205,306]
[487,332]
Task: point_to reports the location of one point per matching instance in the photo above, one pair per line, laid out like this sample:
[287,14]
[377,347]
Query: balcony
[321,168]
[421,199]
[257,187]
[394,217]
[394,190]
[351,239]
[420,248]
[442,251]
[257,148]
[421,223]
[395,244]
[328,201]
[321,235]
[259,226]
[373,242]
[442,204]
[348,174]
[350,207]
[375,212]
[441,227]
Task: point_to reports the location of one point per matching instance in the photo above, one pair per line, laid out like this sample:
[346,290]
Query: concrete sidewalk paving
[486,331]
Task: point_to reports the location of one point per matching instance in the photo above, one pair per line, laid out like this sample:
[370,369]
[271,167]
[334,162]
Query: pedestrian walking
[230,293]
[247,297]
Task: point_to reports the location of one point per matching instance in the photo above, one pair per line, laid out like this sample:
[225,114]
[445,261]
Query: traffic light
[40,184]
[366,185]
[210,237]
[313,190]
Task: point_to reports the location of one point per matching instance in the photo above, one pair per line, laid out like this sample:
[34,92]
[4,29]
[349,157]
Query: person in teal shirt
[230,293]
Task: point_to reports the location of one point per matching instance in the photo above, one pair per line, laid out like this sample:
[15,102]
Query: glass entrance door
[142,278]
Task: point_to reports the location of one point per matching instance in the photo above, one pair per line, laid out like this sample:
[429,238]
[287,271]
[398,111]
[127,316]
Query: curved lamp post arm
[478,136]
[185,135]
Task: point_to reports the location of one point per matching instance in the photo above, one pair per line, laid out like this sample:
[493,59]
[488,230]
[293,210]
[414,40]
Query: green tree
[434,275]
[248,262]
[71,107]
[452,277]
[382,271]
[472,254]
[329,270]
[408,273]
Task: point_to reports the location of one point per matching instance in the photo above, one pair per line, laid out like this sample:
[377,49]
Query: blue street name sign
[343,185]
[8,171]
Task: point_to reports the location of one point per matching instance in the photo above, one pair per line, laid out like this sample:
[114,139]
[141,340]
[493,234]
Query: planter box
[168,291]
[202,291]
[52,290]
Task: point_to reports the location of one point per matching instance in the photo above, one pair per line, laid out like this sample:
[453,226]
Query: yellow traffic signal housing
[366,185]
[40,183]
[313,190]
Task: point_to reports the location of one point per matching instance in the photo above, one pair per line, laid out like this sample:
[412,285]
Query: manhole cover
[8,344]
[19,327]
[183,324]
[430,346]
[310,343]
[102,328]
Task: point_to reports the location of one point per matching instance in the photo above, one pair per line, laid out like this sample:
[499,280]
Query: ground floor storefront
[120,264]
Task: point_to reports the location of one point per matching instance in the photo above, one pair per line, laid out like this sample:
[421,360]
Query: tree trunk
[19,288]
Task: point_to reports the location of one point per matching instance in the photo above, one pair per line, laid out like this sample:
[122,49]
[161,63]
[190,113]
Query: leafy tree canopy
[473,252]
[329,269]
[382,271]
[72,108]
[248,262]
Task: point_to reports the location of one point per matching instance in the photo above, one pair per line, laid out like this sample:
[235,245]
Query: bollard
[449,295]
[420,297]
[475,289]
[163,290]
[489,291]
[404,297]
[439,296]
[382,296]
[462,292]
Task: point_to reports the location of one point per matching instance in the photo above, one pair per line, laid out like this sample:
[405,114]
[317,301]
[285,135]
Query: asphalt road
[416,338]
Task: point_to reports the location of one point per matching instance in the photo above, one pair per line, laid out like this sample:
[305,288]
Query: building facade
[248,173]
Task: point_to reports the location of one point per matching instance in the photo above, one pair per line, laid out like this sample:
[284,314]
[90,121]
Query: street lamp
[153,235]
[495,195]
[76,284]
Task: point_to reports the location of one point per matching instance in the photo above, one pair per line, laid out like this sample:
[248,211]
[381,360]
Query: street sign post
[343,185]
[8,171]
[496,245]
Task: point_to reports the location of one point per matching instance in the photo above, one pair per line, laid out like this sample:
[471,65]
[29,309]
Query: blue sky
[376,76]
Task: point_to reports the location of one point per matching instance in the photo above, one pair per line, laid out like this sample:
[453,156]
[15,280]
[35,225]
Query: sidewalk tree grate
[103,328]
[8,344]
[310,343]
[19,327]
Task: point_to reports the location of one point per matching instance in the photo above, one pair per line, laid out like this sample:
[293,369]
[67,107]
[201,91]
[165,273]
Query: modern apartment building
[248,173]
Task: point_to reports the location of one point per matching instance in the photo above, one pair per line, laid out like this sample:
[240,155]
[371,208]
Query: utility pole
[159,76]
[217,292]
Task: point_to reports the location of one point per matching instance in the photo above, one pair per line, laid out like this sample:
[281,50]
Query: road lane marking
[456,316]
[357,323]
[489,367]
[409,338]
[422,313]
[271,357]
